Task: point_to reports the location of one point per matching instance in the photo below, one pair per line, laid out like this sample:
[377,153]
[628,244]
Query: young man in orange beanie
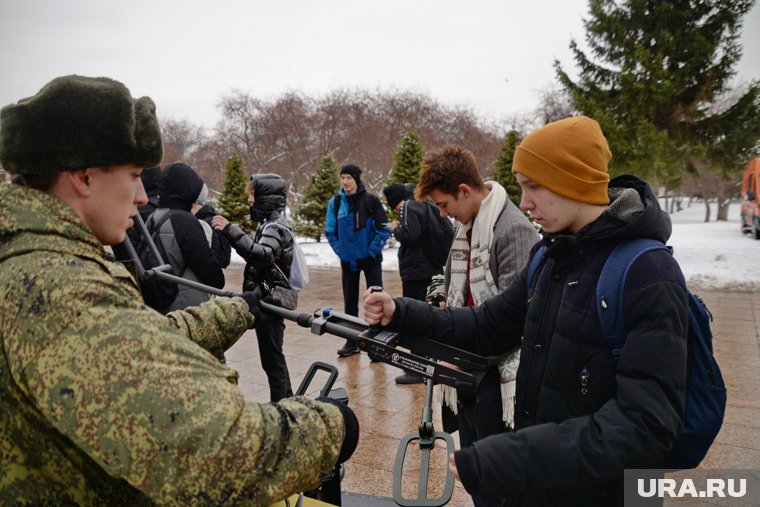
[582,417]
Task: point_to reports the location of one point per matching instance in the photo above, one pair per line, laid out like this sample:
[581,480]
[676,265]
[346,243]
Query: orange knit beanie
[569,157]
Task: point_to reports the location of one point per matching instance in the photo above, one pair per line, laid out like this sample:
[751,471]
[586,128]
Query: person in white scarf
[491,246]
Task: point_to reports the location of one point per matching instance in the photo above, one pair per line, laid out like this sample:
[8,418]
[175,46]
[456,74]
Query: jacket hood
[29,218]
[181,187]
[360,189]
[269,196]
[633,213]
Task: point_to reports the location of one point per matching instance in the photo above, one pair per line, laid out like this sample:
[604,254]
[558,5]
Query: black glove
[352,429]
[252,298]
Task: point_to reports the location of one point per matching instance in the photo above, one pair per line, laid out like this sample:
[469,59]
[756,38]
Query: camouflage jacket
[104,401]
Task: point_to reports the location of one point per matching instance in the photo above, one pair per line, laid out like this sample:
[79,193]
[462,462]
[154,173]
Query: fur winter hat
[354,170]
[569,157]
[76,122]
[397,192]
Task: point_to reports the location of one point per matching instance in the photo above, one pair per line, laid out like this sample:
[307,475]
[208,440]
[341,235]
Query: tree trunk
[723,210]
[707,210]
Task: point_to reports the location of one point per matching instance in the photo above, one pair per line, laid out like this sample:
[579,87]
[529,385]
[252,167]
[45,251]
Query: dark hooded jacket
[273,241]
[581,418]
[219,244]
[414,218]
[183,238]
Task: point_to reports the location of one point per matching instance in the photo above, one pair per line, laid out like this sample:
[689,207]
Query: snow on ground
[713,255]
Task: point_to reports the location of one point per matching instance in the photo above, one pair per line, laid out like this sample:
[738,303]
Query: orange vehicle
[750,207]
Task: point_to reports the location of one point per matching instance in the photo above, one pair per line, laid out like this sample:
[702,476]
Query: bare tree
[288,135]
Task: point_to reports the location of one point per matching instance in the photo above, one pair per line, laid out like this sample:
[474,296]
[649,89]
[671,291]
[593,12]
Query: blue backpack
[705,391]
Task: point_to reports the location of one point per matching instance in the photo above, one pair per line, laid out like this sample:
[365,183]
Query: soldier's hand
[253,298]
[351,424]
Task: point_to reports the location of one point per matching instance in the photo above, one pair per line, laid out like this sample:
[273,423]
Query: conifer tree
[408,159]
[311,213]
[656,81]
[233,202]
[503,167]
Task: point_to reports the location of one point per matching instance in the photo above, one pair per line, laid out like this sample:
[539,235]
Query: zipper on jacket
[584,378]
[553,299]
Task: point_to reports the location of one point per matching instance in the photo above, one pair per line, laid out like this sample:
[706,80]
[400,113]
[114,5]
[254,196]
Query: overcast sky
[494,56]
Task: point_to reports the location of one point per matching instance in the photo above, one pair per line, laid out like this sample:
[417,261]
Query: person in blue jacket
[356,227]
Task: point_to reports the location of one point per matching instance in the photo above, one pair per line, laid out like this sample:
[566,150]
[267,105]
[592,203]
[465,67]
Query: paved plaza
[387,412]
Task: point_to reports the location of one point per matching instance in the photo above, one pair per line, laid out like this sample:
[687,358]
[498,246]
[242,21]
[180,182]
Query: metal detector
[460,369]
[425,437]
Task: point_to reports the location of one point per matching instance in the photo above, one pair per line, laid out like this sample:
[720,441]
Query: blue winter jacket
[359,231]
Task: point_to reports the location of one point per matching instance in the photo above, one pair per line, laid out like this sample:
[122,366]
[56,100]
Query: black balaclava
[152,180]
[181,187]
[269,196]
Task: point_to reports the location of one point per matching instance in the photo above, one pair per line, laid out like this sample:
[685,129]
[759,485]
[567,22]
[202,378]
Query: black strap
[336,208]
[156,226]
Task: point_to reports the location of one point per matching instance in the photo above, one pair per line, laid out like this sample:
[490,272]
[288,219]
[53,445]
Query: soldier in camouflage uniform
[105,401]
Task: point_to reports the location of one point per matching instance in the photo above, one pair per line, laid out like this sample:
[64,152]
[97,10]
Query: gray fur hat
[76,122]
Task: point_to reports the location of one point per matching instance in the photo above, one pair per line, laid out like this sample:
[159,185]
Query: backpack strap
[293,239]
[336,209]
[535,262]
[611,284]
[154,228]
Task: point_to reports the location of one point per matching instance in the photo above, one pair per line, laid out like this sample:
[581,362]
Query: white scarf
[482,286]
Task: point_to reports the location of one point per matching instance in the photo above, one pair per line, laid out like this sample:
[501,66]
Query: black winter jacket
[572,443]
[273,241]
[194,258]
[219,244]
[413,263]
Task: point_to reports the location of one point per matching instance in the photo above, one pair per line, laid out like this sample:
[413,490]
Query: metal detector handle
[373,289]
[426,425]
[318,365]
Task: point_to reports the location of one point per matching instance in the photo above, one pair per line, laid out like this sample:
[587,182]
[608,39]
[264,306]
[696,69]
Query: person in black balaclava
[182,236]
[268,256]
[152,180]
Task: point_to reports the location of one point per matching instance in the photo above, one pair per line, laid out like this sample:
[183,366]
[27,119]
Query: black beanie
[397,192]
[354,170]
